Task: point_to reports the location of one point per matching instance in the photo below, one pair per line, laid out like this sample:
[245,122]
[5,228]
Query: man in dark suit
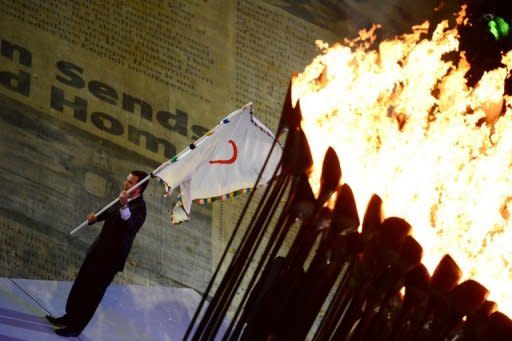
[106,256]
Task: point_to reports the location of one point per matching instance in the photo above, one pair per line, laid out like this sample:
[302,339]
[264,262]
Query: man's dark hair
[140,175]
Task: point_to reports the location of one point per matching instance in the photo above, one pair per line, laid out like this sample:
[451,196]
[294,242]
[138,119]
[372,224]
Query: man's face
[130,181]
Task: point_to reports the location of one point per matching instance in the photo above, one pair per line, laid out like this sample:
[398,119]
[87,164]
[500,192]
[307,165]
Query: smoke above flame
[407,127]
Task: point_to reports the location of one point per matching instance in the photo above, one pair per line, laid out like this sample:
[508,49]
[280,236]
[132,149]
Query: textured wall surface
[92,90]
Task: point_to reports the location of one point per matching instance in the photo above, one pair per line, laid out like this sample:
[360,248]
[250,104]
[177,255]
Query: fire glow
[407,127]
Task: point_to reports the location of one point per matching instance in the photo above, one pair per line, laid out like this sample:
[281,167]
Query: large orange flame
[407,127]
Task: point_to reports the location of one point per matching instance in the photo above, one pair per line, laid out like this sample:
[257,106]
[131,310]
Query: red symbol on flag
[230,160]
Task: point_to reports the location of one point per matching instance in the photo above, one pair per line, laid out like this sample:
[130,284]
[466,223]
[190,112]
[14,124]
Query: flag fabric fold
[227,159]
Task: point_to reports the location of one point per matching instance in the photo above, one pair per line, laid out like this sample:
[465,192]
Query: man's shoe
[58,321]
[67,332]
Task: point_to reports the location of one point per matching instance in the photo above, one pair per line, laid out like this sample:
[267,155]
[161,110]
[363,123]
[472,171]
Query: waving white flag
[227,159]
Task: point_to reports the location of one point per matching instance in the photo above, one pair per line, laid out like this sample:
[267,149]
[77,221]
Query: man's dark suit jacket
[116,238]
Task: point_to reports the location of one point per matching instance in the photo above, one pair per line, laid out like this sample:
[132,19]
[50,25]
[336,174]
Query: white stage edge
[127,312]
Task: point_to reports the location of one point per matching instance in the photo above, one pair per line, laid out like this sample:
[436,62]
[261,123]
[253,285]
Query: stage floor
[127,312]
